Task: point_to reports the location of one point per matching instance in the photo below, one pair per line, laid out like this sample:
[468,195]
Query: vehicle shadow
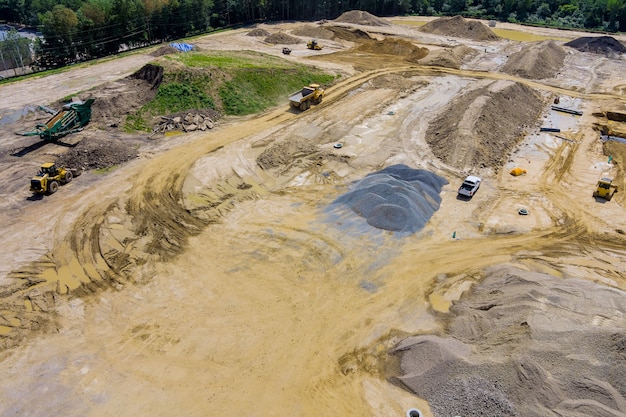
[37,145]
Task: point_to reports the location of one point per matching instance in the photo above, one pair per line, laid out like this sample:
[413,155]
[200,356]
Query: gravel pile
[523,344]
[597,44]
[397,198]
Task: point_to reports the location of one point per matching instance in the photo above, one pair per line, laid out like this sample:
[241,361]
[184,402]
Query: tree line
[78,30]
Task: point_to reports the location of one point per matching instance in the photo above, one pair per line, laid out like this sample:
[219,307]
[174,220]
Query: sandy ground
[191,282]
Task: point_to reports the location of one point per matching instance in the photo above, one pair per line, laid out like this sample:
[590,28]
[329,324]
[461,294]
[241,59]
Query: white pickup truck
[469,186]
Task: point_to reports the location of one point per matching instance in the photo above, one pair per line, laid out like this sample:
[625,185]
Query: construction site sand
[200,283]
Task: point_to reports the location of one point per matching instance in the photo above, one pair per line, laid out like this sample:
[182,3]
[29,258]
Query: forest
[79,30]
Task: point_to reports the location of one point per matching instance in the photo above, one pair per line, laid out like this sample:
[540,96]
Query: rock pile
[190,122]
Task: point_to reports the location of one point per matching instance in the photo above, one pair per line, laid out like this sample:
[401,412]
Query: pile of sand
[258,32]
[352,35]
[281,38]
[359,17]
[311,31]
[522,344]
[395,82]
[536,61]
[394,46]
[397,198]
[459,27]
[447,58]
[480,128]
[597,44]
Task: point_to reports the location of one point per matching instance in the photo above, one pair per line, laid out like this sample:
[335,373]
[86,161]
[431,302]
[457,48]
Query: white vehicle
[469,186]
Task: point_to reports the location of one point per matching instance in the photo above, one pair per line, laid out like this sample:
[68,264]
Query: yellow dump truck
[605,189]
[312,94]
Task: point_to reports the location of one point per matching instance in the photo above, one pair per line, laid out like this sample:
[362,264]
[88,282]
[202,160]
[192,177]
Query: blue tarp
[185,47]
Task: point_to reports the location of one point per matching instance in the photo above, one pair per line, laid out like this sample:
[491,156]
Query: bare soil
[203,273]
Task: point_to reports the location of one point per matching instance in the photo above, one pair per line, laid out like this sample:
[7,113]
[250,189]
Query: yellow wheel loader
[49,178]
[605,189]
[312,44]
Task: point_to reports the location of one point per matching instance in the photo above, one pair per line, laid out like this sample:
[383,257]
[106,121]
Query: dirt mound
[352,35]
[395,81]
[359,17]
[459,27]
[536,61]
[480,128]
[93,153]
[597,44]
[115,100]
[447,58]
[151,73]
[393,46]
[164,50]
[313,32]
[258,32]
[281,38]
[441,58]
[523,344]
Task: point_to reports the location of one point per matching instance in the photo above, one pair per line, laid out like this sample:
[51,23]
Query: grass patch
[230,60]
[233,83]
[252,91]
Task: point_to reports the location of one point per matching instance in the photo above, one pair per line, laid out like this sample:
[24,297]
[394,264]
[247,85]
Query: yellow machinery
[302,99]
[312,44]
[605,189]
[50,176]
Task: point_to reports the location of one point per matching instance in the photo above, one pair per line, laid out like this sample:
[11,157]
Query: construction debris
[189,122]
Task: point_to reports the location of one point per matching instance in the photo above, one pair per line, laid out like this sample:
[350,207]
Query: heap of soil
[536,61]
[151,73]
[258,32]
[597,44]
[447,58]
[522,344]
[459,27]
[311,31]
[394,46]
[395,82]
[480,128]
[352,35]
[281,38]
[115,100]
[165,50]
[359,17]
[97,153]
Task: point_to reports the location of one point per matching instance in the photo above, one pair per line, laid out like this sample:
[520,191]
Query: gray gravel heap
[397,198]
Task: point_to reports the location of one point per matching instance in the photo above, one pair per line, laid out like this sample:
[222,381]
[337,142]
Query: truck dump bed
[302,94]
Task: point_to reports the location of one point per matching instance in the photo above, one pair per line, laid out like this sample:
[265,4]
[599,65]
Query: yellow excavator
[50,176]
[605,189]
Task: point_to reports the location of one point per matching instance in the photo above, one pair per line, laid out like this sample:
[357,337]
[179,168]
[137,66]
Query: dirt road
[200,283]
